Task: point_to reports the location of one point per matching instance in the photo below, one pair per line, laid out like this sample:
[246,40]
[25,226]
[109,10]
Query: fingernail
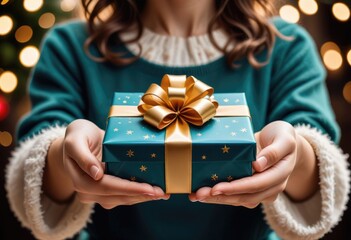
[193,200]
[262,161]
[216,193]
[94,170]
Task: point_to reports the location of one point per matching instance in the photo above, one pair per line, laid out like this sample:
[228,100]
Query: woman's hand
[74,166]
[277,169]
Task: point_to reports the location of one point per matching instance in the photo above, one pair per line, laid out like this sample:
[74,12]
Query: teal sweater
[67,85]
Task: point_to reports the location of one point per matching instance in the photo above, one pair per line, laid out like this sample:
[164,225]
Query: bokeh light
[4,108]
[308,7]
[24,34]
[5,138]
[29,56]
[347,92]
[332,59]
[32,5]
[329,46]
[68,5]
[8,81]
[341,11]
[3,2]
[47,20]
[6,24]
[289,13]
[349,57]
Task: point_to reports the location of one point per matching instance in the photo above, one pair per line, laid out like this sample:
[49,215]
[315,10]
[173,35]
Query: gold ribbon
[174,104]
[178,101]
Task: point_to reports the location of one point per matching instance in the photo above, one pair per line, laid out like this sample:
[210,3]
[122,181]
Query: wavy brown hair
[246,22]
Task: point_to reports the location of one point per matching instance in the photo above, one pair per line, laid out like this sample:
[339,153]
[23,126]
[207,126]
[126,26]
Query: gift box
[179,136]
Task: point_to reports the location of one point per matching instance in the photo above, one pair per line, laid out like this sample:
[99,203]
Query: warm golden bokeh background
[23,24]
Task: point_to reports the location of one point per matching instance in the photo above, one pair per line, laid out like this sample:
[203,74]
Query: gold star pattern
[143,168]
[153,155]
[230,178]
[203,157]
[214,177]
[130,153]
[225,149]
[133,178]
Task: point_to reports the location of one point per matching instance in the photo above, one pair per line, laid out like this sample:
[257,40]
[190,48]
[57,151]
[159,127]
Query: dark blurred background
[23,24]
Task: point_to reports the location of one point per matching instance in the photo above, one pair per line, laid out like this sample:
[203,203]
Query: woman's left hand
[276,159]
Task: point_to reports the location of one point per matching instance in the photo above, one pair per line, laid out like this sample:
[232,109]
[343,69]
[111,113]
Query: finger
[77,149]
[248,200]
[257,182]
[273,153]
[110,185]
[200,194]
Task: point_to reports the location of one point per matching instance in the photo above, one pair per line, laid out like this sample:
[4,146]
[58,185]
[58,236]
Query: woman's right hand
[81,164]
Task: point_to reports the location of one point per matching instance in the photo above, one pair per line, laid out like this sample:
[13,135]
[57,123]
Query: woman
[301,177]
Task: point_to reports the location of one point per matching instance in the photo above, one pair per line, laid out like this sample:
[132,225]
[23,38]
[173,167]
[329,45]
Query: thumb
[272,154]
[79,153]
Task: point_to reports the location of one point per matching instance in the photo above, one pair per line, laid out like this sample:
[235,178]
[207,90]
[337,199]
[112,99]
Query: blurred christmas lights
[3,2]
[68,5]
[348,56]
[32,5]
[8,81]
[5,138]
[308,7]
[347,92]
[29,56]
[6,24]
[24,34]
[289,13]
[4,108]
[341,11]
[47,20]
[332,59]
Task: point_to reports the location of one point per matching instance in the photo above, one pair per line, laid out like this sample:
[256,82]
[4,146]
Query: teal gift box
[222,149]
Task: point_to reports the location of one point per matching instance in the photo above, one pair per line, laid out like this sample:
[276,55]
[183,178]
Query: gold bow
[174,104]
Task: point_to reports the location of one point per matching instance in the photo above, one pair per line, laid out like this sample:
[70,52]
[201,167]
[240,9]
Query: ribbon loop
[179,96]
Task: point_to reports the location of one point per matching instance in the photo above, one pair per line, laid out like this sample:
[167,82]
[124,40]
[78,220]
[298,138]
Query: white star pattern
[127,97]
[146,137]
[243,130]
[233,134]
[124,101]
[129,121]
[226,100]
[115,129]
[119,98]
[237,100]
[153,136]
[234,121]
[199,134]
[119,122]
[226,126]
[130,132]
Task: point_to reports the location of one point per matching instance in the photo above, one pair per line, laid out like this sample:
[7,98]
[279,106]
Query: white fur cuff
[315,217]
[24,176]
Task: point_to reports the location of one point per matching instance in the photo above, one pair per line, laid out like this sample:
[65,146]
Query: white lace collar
[177,51]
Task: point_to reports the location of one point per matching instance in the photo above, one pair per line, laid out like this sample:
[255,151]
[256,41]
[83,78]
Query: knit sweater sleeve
[299,96]
[57,99]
